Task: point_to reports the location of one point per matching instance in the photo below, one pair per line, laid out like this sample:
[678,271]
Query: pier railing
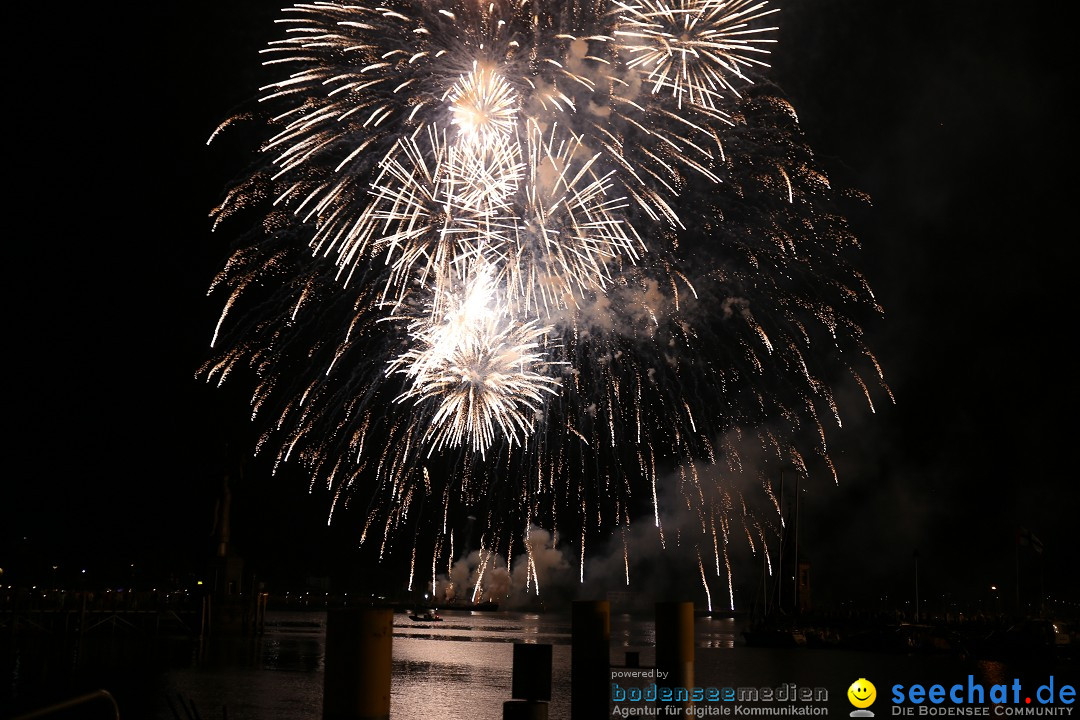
[55,612]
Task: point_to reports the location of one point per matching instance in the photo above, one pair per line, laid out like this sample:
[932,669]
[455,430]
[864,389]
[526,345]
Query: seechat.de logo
[862,694]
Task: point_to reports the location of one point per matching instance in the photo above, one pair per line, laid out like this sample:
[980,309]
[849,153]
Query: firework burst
[532,261]
[693,49]
[480,368]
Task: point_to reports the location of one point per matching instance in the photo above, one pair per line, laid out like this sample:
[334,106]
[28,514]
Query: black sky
[952,116]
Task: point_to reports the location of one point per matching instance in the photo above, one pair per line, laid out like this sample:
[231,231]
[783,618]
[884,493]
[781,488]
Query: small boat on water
[427,616]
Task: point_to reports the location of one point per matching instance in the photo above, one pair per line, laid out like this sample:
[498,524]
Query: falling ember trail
[705,583]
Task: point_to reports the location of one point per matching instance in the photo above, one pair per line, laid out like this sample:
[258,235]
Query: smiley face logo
[862,693]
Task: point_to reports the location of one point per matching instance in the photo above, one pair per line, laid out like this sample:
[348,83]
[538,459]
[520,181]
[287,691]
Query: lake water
[458,669]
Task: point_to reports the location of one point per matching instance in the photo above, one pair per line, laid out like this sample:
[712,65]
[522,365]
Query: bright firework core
[543,264]
[480,365]
[483,106]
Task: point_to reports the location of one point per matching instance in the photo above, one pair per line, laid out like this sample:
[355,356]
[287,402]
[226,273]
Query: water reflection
[715,632]
[487,628]
[458,669]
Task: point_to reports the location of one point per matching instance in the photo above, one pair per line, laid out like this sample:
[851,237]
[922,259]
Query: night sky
[951,116]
